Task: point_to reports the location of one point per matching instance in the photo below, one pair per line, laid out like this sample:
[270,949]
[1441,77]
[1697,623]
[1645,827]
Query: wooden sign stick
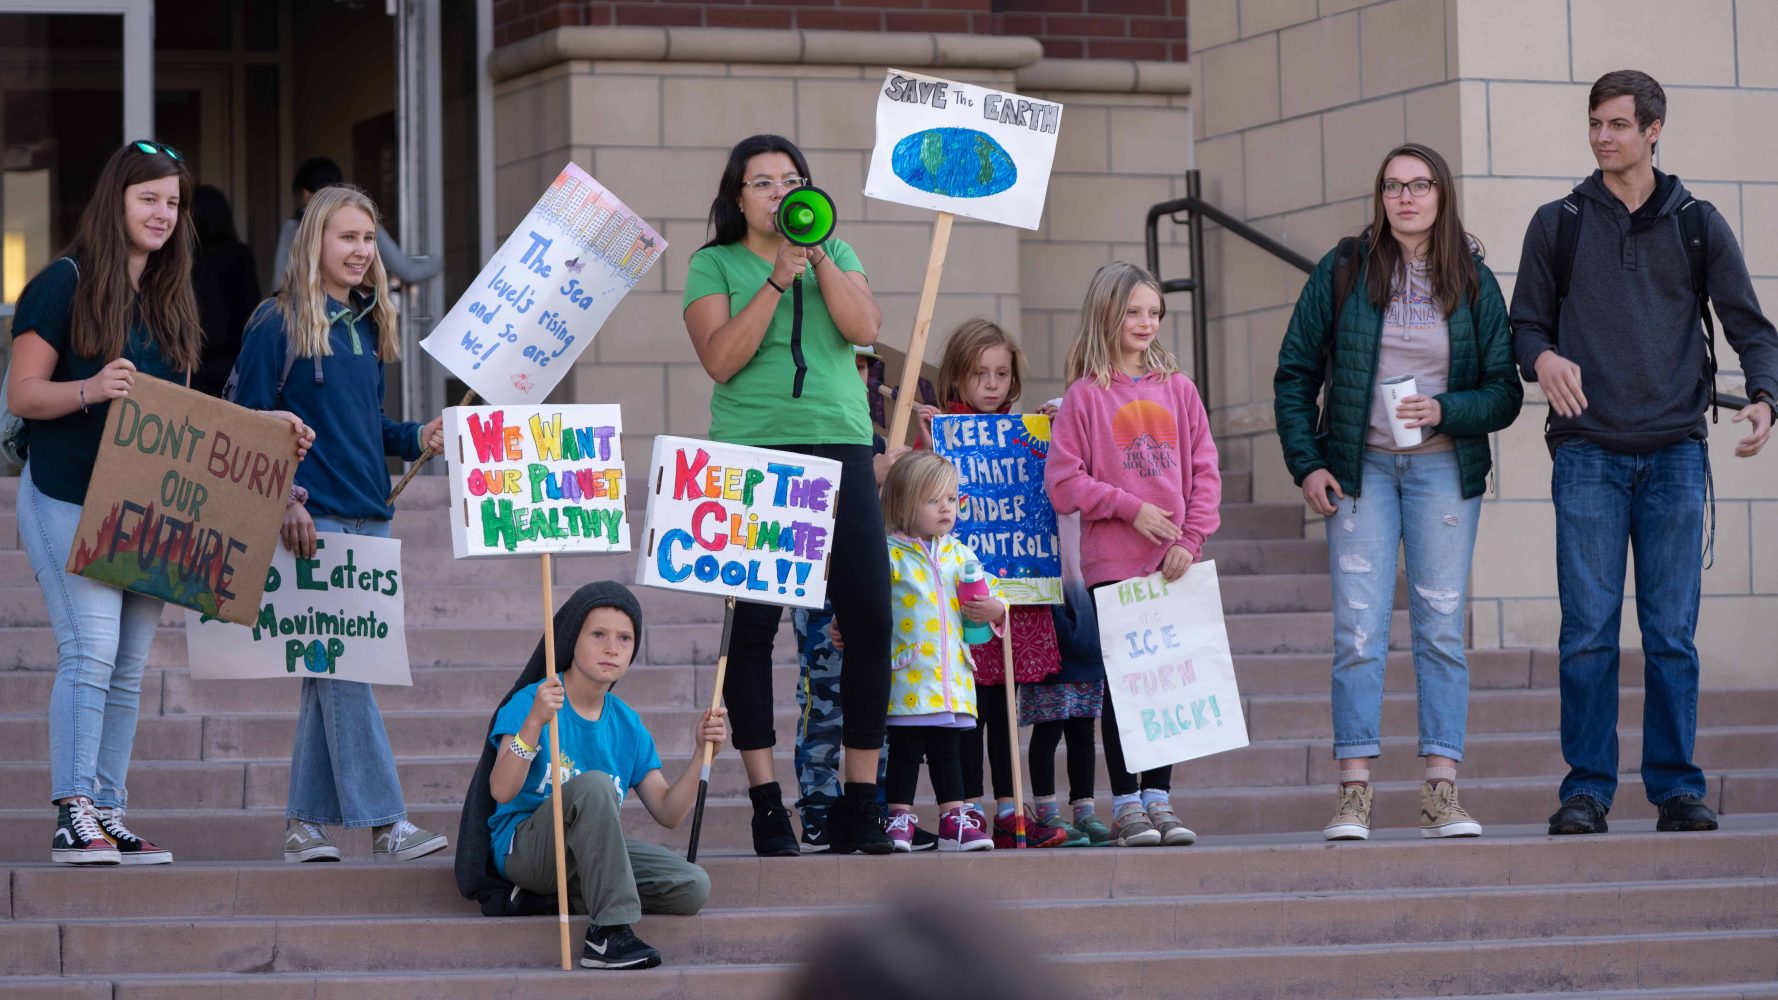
[1012,735]
[697,816]
[555,767]
[426,456]
[910,372]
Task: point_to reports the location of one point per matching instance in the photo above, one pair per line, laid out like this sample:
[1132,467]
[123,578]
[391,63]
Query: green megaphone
[806,216]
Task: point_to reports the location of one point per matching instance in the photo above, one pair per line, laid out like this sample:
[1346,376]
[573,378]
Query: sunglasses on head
[152,148]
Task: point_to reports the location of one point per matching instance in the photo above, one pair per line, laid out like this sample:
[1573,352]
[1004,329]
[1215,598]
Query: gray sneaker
[1173,832]
[1133,828]
[403,841]
[304,841]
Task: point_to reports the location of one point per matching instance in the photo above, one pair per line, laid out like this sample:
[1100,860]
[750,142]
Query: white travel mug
[1398,389]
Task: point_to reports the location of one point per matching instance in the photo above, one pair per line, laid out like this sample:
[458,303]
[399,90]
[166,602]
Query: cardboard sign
[186,498]
[536,479]
[1168,668]
[1003,512]
[962,148]
[541,299]
[739,522]
[338,615]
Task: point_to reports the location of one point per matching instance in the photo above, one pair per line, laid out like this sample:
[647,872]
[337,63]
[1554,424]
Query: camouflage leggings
[818,728]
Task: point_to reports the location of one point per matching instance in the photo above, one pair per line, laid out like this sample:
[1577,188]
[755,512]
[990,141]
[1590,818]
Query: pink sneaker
[900,829]
[959,830]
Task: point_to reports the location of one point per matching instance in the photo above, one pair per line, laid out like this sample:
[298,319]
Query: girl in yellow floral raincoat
[932,682]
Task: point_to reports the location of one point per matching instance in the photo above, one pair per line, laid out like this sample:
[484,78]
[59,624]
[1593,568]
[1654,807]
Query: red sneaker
[1036,834]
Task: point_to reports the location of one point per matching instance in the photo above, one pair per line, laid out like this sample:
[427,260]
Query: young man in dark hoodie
[1631,466]
[606,753]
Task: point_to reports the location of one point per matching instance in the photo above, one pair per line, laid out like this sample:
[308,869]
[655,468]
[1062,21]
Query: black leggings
[991,728]
[1081,757]
[858,587]
[1122,781]
[937,745]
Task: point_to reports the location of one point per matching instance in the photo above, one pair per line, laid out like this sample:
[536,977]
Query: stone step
[263,784]
[341,943]
[1745,848]
[250,834]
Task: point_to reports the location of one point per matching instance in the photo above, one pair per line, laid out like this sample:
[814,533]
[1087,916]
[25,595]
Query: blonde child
[982,371]
[932,699]
[1131,452]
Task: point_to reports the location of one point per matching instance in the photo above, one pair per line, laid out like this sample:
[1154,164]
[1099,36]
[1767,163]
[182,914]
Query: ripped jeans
[1416,500]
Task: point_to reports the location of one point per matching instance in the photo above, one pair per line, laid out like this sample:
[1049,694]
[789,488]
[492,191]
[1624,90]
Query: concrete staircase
[1262,907]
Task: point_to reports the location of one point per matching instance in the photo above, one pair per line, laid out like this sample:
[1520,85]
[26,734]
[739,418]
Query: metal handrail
[1197,212]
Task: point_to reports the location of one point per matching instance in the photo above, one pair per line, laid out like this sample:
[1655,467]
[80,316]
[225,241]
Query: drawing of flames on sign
[602,226]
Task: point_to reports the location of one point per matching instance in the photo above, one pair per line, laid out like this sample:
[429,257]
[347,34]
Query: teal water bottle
[972,585]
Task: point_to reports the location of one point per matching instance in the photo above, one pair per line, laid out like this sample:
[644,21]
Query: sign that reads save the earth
[962,148]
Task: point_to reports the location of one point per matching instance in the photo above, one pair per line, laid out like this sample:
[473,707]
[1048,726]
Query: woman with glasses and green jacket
[775,325]
[1408,298]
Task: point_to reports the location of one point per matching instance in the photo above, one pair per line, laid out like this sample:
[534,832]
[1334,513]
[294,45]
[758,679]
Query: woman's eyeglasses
[1419,187]
[151,148]
[764,185]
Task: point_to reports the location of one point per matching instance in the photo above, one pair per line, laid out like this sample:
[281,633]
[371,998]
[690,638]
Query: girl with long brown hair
[115,308]
[1409,298]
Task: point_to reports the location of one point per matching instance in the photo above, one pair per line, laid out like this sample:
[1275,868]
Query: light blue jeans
[1414,500]
[102,639]
[342,772]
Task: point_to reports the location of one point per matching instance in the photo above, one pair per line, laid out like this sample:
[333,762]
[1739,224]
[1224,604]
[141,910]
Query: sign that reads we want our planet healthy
[534,479]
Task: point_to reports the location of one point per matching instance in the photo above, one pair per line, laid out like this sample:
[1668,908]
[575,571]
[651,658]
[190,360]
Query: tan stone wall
[658,133]
[1296,102]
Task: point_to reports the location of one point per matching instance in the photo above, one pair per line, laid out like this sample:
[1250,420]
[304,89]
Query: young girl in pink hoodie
[1130,451]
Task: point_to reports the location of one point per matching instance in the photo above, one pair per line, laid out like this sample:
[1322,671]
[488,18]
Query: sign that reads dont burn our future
[185,501]
[1003,512]
[734,521]
[338,615]
[533,479]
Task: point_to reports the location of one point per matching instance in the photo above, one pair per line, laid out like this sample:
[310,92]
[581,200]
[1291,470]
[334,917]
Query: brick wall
[1114,29]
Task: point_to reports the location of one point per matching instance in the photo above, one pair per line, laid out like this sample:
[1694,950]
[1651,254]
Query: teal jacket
[1484,396]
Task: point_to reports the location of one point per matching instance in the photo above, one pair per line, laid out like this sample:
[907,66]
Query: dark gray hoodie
[1630,320]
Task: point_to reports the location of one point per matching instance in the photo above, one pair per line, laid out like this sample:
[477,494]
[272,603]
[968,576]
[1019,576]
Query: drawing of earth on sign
[954,162]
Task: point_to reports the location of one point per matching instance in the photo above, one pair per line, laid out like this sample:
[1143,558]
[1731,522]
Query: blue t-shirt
[616,744]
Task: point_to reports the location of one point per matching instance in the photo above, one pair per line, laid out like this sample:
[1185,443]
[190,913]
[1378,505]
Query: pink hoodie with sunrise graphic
[1115,448]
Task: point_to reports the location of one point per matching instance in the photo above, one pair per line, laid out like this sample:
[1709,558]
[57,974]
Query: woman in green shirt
[774,324]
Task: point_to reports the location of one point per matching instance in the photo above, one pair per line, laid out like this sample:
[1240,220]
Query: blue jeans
[1416,501]
[1607,502]
[102,639]
[342,772]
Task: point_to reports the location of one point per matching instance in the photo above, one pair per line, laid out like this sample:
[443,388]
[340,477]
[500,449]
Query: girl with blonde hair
[318,348]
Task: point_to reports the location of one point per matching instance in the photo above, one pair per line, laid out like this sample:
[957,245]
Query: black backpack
[230,387]
[1694,231]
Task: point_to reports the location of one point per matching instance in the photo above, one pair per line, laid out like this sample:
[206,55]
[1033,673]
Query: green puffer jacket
[1484,396]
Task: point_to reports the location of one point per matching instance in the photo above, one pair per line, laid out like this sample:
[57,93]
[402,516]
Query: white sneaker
[304,841]
[403,841]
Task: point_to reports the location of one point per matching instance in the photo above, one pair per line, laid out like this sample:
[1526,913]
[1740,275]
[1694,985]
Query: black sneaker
[1685,812]
[1578,815]
[772,835]
[853,826]
[815,833]
[616,947]
[79,840]
[131,849]
[925,840]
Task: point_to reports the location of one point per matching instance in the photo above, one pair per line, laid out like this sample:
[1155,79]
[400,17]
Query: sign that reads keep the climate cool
[740,522]
[540,478]
[543,296]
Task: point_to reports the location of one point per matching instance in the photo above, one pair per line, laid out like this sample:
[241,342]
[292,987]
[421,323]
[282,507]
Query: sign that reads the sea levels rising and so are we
[740,522]
[536,478]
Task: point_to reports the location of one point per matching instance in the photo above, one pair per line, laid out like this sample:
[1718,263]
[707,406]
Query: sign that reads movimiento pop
[338,615]
[1003,512]
[533,479]
[740,522]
